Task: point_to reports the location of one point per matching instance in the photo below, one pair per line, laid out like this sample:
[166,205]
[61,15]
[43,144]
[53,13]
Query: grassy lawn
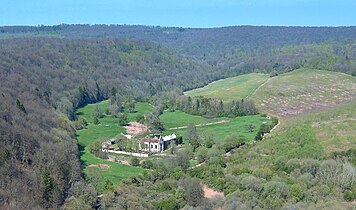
[107,128]
[304,91]
[115,173]
[231,88]
[238,126]
[141,108]
[179,118]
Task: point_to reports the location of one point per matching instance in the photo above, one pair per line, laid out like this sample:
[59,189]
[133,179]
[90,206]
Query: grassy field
[323,101]
[315,135]
[238,125]
[231,88]
[179,118]
[334,128]
[303,91]
[107,128]
[141,108]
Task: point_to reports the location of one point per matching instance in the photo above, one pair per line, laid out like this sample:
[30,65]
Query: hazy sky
[185,13]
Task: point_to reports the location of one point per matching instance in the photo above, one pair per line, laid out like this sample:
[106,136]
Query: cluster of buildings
[155,144]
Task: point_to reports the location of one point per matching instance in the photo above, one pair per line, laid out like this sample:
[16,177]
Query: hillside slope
[233,88]
[304,90]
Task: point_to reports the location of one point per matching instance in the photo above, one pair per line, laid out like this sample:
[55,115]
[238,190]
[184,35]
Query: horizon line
[186,27]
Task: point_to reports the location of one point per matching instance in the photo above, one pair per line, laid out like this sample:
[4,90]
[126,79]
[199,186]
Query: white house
[157,143]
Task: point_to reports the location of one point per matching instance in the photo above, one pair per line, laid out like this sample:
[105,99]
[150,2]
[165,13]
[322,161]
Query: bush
[95,149]
[201,154]
[231,142]
[81,123]
[148,164]
[350,196]
[134,161]
[140,118]
[96,120]
[123,120]
[274,121]
[193,191]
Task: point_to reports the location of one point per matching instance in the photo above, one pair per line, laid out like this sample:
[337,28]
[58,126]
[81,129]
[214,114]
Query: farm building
[157,143]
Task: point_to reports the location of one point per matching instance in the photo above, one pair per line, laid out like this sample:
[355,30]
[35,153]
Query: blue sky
[185,13]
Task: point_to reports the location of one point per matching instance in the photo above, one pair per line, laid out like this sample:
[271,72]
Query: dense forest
[231,49]
[47,72]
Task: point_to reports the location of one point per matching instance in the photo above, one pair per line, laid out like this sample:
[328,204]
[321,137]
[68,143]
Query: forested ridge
[47,72]
[231,49]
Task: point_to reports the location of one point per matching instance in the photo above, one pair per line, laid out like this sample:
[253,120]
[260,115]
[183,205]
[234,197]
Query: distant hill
[199,41]
[235,49]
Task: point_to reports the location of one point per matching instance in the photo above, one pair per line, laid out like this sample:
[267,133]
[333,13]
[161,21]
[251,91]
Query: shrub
[134,161]
[96,120]
[350,195]
[148,164]
[95,149]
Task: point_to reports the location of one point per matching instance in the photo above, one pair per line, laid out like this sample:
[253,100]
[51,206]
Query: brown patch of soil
[104,166]
[211,193]
[135,128]
[124,162]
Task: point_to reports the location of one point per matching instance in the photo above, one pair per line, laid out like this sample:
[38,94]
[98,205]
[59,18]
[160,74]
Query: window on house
[151,146]
[156,146]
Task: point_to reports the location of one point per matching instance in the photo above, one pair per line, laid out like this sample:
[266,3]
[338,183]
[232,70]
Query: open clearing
[335,128]
[323,101]
[135,128]
[211,193]
[217,128]
[200,125]
[304,91]
[108,128]
[231,88]
[181,119]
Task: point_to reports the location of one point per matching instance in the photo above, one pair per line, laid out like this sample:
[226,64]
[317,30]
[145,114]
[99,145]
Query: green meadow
[108,128]
[239,126]
[179,118]
[231,88]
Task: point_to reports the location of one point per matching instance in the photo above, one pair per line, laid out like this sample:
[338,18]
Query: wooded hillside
[47,72]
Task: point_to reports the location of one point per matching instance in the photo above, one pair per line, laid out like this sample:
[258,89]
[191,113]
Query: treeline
[235,50]
[214,107]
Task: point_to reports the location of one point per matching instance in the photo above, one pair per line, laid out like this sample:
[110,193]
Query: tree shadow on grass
[81,153]
[80,113]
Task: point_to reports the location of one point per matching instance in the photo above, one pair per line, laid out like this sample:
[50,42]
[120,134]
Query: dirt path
[259,87]
[274,128]
[200,125]
[200,164]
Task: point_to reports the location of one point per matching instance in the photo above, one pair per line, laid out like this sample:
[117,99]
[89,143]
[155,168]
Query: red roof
[152,140]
